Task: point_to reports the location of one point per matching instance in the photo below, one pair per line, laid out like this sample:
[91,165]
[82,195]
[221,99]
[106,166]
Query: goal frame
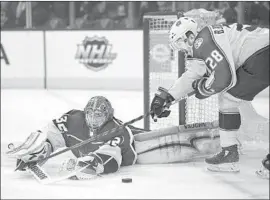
[146,71]
[203,112]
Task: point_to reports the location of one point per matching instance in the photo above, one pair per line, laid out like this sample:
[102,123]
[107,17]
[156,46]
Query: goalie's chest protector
[78,131]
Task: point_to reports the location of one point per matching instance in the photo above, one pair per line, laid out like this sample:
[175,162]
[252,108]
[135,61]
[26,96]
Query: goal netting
[162,66]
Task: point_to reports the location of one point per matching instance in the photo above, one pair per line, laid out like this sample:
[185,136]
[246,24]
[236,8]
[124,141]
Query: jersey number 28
[214,58]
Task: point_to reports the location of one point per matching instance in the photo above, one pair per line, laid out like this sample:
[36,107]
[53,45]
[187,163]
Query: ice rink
[23,111]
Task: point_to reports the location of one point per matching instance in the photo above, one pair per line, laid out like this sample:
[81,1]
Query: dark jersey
[75,130]
[226,48]
[218,58]
[218,51]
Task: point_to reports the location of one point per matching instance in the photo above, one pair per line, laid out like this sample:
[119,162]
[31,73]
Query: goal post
[162,66]
[157,61]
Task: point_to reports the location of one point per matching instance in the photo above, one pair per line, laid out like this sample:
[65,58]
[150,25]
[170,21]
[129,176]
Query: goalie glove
[203,88]
[92,162]
[161,99]
[34,148]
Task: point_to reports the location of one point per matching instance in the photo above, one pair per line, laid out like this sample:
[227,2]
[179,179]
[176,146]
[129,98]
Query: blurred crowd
[116,15]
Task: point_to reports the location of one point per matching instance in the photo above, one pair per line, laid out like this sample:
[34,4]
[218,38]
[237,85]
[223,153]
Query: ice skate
[224,161]
[263,172]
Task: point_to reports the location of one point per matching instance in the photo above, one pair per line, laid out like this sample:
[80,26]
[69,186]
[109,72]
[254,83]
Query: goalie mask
[97,112]
[180,31]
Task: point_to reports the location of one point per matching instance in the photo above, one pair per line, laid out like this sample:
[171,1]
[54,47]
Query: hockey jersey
[74,130]
[219,50]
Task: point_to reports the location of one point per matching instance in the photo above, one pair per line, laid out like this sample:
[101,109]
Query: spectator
[146,6]
[96,17]
[201,4]
[40,13]
[259,13]
[230,14]
[264,14]
[81,8]
[8,14]
[164,6]
[212,6]
[119,17]
[58,15]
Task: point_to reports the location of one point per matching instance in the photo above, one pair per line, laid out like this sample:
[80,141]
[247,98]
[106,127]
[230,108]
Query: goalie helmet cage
[162,67]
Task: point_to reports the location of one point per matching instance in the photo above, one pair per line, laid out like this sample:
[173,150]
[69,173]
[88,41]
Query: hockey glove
[93,162]
[35,147]
[159,101]
[43,152]
[21,165]
[202,87]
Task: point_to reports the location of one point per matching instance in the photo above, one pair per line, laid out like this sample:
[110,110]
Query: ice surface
[23,111]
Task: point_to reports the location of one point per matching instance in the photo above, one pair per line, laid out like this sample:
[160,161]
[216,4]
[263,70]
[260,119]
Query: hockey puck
[126,180]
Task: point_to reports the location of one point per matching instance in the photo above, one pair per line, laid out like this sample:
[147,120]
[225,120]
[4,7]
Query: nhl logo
[160,53]
[198,42]
[95,53]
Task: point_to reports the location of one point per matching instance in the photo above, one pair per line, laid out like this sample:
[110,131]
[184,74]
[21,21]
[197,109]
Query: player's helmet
[98,111]
[178,38]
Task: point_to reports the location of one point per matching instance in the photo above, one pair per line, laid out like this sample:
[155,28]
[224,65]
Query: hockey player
[159,146]
[74,127]
[230,60]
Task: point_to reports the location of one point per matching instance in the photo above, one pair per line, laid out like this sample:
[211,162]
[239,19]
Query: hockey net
[162,66]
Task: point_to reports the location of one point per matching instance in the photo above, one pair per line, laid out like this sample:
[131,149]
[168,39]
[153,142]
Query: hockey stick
[42,177]
[108,134]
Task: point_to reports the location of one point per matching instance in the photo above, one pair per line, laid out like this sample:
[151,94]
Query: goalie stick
[44,178]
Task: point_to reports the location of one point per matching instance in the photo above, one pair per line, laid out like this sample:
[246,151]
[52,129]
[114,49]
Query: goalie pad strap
[229,121]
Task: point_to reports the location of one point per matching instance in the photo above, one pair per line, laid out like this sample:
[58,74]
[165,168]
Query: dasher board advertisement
[94,59]
[22,59]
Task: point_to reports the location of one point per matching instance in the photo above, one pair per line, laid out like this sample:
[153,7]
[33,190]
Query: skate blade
[226,167]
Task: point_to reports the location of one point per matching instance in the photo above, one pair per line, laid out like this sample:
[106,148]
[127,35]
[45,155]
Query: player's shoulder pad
[200,43]
[75,115]
[75,112]
[71,119]
[205,42]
